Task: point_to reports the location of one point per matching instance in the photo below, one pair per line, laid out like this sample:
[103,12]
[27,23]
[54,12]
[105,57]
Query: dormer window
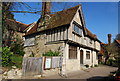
[77,29]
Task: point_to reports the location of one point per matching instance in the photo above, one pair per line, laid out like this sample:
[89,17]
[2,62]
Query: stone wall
[41,47]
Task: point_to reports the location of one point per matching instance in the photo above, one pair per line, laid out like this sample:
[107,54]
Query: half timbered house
[66,30]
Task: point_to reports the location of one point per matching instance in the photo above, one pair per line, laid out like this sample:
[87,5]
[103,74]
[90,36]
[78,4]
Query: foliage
[87,66]
[96,65]
[17,47]
[109,62]
[0,49]
[9,59]
[51,53]
[112,62]
[32,55]
[6,56]
[110,50]
[16,61]
[91,66]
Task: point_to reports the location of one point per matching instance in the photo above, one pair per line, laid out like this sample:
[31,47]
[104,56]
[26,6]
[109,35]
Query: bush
[115,63]
[87,66]
[6,56]
[18,49]
[51,53]
[17,61]
[109,62]
[112,62]
[96,65]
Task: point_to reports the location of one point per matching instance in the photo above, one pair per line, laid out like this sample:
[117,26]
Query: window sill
[77,34]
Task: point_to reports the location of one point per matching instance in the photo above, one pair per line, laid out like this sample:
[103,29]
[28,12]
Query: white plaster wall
[72,64]
[71,35]
[86,61]
[97,45]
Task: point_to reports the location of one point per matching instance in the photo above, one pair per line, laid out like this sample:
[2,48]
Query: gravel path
[101,71]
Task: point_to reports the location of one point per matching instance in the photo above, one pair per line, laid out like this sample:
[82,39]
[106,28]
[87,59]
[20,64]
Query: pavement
[99,73]
[96,72]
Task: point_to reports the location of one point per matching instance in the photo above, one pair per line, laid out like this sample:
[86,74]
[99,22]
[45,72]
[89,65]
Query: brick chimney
[109,39]
[45,16]
[45,9]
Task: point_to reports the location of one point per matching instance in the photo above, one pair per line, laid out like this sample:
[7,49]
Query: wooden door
[81,56]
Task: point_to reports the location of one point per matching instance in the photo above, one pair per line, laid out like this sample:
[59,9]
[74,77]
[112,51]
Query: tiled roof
[61,18]
[58,19]
[118,41]
[102,51]
[15,25]
[32,30]
[90,34]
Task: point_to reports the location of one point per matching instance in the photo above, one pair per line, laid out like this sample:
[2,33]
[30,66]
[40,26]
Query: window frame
[72,52]
[88,55]
[79,29]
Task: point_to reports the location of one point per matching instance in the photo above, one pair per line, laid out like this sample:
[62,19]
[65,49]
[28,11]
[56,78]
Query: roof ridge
[65,10]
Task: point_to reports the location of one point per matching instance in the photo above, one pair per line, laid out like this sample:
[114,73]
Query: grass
[0,49]
[17,61]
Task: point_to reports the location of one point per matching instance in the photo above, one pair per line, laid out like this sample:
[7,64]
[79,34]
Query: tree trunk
[106,60]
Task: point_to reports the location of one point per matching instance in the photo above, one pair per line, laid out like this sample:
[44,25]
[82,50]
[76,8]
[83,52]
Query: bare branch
[25,12]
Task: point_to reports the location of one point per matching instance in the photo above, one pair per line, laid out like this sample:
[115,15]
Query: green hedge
[51,53]
[6,56]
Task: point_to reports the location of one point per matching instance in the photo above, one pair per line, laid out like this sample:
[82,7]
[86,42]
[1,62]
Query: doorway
[81,56]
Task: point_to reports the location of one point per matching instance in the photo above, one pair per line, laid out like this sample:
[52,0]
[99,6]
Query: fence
[32,66]
[35,65]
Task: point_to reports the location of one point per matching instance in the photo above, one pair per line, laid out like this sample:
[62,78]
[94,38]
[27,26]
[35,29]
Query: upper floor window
[77,29]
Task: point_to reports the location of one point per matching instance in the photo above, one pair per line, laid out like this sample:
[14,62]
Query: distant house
[65,30]
[14,29]
[117,42]
[101,57]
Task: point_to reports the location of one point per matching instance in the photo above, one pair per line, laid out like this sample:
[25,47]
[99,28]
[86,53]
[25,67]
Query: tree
[110,50]
[117,45]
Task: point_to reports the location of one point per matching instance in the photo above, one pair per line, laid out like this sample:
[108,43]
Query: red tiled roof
[118,41]
[15,25]
[104,44]
[32,30]
[102,51]
[90,34]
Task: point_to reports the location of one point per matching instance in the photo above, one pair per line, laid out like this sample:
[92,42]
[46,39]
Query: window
[29,41]
[87,54]
[90,41]
[72,52]
[77,29]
